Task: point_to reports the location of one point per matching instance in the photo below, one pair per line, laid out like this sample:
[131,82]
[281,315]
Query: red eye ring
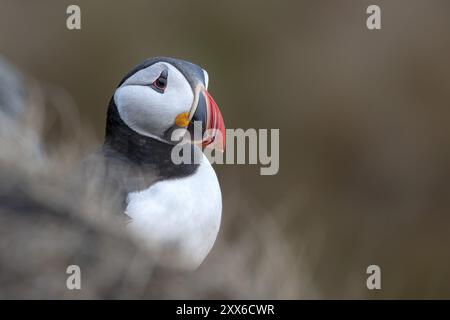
[160,83]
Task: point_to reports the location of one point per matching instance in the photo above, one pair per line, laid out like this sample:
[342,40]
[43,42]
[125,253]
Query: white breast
[179,218]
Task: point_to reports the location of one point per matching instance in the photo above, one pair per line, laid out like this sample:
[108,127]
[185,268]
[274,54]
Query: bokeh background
[363,116]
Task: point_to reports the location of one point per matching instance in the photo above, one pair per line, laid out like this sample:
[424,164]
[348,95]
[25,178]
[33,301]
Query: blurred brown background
[363,116]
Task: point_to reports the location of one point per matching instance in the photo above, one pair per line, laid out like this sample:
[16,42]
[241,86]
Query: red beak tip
[215,124]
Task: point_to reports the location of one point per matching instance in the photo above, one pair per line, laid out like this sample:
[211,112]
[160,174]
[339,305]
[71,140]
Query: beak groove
[215,126]
[212,125]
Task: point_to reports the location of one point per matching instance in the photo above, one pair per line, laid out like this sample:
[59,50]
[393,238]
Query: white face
[150,111]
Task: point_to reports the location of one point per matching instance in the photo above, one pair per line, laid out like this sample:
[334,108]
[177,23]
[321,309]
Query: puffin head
[163,98]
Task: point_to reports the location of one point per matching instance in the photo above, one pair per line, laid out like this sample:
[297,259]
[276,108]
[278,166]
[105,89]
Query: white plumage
[178,218]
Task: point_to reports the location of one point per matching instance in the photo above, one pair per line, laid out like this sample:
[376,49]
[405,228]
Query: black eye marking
[160,83]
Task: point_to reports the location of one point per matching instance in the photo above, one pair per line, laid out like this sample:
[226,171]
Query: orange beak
[208,115]
[215,127]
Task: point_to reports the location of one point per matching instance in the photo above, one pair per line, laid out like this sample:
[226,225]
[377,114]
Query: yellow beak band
[182,120]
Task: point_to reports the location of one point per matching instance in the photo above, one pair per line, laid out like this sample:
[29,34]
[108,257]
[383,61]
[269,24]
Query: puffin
[173,209]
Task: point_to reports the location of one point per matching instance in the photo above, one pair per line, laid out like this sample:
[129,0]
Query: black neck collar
[143,151]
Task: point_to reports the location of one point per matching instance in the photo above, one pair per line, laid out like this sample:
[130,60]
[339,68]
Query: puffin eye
[160,83]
